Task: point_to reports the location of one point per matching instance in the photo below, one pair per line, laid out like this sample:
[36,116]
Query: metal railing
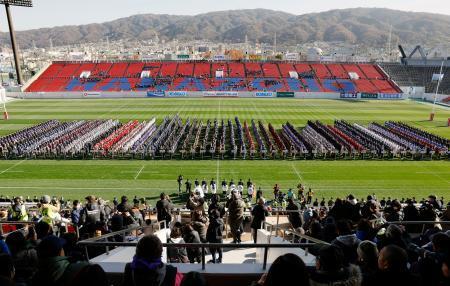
[203,247]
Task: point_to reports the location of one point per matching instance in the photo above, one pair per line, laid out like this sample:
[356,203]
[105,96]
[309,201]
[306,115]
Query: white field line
[218,159]
[297,172]
[13,166]
[140,171]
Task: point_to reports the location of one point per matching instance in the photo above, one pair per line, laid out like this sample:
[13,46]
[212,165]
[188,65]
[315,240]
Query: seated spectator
[430,263]
[365,230]
[347,241]
[193,279]
[90,275]
[331,269]
[25,258]
[54,267]
[445,268]
[147,267]
[392,269]
[284,270]
[367,258]
[7,270]
[393,235]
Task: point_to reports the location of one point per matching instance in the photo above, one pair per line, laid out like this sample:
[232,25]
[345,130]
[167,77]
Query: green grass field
[76,179]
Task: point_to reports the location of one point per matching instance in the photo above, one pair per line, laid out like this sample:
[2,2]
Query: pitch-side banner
[176,93]
[390,95]
[221,94]
[92,94]
[155,93]
[349,95]
[265,94]
[369,95]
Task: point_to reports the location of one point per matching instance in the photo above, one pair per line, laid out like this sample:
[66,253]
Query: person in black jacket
[215,235]
[294,215]
[191,236]
[163,209]
[215,205]
[91,216]
[147,267]
[392,269]
[259,214]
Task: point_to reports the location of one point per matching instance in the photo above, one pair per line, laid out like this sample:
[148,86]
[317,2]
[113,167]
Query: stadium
[309,169]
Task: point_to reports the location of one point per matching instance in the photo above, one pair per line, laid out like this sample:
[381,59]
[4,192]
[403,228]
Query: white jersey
[250,190]
[213,188]
[199,191]
[205,188]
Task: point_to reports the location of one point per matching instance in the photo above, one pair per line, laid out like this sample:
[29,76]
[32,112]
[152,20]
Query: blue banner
[175,93]
[155,93]
[265,94]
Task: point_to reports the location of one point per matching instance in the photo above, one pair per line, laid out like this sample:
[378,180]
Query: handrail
[203,246]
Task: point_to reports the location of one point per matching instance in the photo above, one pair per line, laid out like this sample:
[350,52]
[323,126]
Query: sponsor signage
[176,93]
[390,95]
[265,94]
[219,57]
[349,95]
[221,93]
[155,93]
[91,94]
[369,95]
[285,94]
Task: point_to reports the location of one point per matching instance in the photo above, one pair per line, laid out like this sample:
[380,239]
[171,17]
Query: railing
[203,246]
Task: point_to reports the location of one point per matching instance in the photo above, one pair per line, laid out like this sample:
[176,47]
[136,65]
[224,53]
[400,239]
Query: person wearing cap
[236,216]
[54,267]
[17,212]
[48,211]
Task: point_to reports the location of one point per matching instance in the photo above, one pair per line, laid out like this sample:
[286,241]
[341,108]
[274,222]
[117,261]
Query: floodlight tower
[21,3]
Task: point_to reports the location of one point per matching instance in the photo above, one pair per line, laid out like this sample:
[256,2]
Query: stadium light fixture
[20,3]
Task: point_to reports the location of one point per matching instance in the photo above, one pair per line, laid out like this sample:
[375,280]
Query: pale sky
[48,13]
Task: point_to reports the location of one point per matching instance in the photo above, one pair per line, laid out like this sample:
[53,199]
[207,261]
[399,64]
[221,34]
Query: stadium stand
[236,69]
[201,76]
[418,76]
[202,70]
[185,69]
[168,69]
[271,70]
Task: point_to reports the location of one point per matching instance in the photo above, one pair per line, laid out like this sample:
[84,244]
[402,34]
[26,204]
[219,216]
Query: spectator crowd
[359,241]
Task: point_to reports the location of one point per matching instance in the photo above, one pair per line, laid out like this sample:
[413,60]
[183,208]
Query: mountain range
[357,25]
